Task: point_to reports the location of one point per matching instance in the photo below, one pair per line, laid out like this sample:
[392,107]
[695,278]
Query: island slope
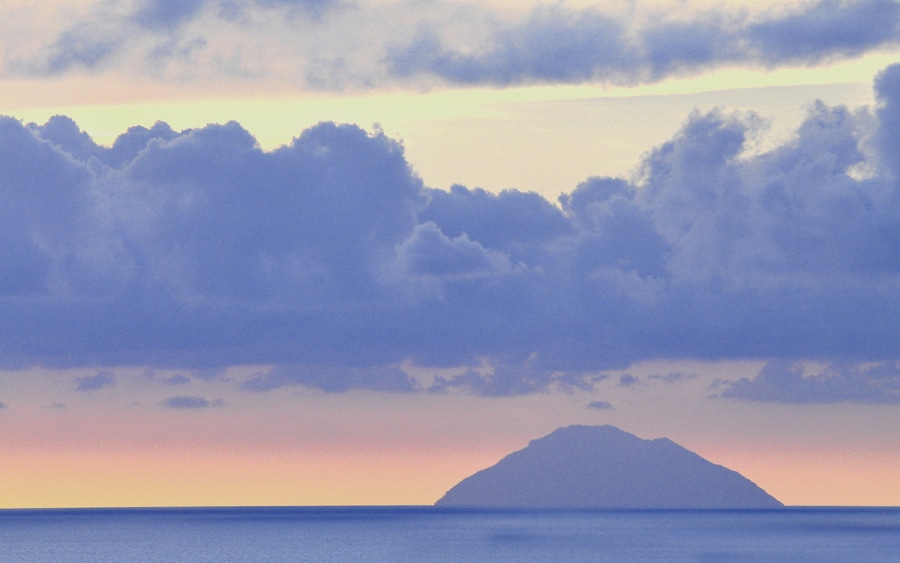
[604,467]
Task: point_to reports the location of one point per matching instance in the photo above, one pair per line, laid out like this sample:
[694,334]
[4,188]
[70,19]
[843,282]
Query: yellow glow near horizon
[274,116]
[541,138]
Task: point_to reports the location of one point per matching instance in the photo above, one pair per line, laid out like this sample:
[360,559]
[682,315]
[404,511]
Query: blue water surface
[401,534]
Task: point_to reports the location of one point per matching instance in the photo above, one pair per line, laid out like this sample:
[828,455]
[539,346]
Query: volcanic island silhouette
[605,467]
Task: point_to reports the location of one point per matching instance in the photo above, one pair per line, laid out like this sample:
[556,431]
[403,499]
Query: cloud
[787,382]
[177,379]
[628,380]
[2,406]
[155,14]
[502,378]
[97,381]
[600,405]
[335,44]
[333,379]
[190,402]
[330,259]
[152,33]
[171,14]
[557,44]
[674,377]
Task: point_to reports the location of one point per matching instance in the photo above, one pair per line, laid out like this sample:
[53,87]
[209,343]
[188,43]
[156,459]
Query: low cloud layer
[329,258]
[336,44]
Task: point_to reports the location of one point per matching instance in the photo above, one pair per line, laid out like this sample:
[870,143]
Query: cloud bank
[334,44]
[329,257]
[556,44]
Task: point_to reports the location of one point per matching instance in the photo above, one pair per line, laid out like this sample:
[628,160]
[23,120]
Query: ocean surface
[400,534]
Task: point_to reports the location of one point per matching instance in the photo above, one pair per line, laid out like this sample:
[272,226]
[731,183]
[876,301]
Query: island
[604,467]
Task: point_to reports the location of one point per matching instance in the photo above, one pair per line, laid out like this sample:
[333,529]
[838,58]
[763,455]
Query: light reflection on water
[401,534]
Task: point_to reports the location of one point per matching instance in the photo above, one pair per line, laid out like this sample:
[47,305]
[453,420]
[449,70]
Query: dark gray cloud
[558,44]
[97,381]
[329,258]
[190,402]
[787,382]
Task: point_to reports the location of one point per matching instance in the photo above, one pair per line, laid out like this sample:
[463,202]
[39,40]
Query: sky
[348,252]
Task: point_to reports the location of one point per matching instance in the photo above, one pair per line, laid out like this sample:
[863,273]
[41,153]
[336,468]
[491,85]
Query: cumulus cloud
[97,381]
[190,402]
[787,382]
[329,259]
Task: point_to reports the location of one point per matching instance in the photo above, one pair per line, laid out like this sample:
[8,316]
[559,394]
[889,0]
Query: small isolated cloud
[674,377]
[191,402]
[2,406]
[177,379]
[56,406]
[788,382]
[600,405]
[208,374]
[628,380]
[100,380]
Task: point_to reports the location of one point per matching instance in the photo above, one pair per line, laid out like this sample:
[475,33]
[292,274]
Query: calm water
[398,534]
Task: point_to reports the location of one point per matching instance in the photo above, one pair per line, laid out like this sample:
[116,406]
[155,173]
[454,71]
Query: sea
[431,534]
